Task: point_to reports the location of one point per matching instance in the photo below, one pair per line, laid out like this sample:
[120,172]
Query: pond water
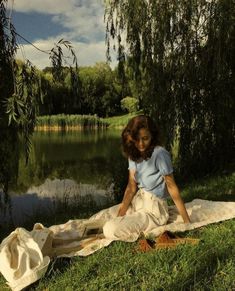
[63,166]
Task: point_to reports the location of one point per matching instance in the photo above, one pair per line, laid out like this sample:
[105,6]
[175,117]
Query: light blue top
[149,173]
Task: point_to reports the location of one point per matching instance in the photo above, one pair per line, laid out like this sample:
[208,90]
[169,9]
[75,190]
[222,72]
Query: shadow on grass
[57,267]
[220,188]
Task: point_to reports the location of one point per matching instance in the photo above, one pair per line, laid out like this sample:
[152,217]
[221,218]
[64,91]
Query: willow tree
[183,54]
[20,93]
[8,134]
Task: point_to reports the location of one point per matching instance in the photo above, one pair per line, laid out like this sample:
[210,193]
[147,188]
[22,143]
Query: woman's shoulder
[160,152]
[163,160]
[160,149]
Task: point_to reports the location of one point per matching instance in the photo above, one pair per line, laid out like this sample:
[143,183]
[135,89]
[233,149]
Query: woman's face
[143,140]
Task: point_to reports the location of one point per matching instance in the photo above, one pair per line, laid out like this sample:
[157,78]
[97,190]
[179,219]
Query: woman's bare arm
[130,192]
[175,195]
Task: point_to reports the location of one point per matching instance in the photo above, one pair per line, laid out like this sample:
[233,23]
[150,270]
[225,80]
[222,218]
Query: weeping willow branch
[182,53]
[23,91]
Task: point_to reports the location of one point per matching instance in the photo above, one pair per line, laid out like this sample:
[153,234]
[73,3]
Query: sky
[45,22]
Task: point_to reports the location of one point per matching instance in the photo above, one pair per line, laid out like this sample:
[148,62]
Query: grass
[69,122]
[207,266]
[120,121]
[218,188]
[78,122]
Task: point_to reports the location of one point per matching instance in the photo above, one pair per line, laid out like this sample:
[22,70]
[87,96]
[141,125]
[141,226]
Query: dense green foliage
[183,59]
[100,92]
[130,104]
[21,90]
[8,134]
[96,94]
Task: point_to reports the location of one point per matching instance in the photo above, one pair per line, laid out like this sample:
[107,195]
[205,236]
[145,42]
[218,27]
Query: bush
[130,104]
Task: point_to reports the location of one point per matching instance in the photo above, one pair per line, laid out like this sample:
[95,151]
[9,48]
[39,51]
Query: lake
[62,167]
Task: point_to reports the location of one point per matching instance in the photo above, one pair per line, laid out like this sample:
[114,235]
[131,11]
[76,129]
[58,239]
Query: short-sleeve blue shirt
[149,173]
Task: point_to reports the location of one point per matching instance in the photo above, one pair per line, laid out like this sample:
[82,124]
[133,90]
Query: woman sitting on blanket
[151,181]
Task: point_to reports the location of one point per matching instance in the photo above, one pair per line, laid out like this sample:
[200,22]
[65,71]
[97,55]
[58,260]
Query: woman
[150,183]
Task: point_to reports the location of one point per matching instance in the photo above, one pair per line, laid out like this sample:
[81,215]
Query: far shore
[67,128]
[64,122]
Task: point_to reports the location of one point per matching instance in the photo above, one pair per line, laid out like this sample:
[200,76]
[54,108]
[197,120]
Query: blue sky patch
[33,26]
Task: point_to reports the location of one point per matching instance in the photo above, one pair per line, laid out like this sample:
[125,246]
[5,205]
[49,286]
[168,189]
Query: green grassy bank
[207,266]
[78,122]
[69,122]
[120,121]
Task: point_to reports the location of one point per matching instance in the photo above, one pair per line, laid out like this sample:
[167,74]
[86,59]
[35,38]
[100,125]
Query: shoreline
[68,127]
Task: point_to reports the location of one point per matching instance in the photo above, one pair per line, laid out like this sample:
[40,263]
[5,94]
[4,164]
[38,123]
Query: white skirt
[145,213]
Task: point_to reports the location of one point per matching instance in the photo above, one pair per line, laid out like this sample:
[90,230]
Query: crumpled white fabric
[25,255]
[21,259]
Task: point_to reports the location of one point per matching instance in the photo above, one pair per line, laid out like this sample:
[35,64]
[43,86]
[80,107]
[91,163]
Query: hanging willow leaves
[21,87]
[8,134]
[183,54]
[60,61]
[25,90]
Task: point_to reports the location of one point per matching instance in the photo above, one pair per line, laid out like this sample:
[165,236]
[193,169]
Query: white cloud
[87,54]
[82,24]
[39,59]
[83,19]
[43,6]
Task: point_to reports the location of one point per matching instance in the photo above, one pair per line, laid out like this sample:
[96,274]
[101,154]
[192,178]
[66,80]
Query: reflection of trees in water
[54,201]
[9,156]
[102,166]
[98,170]
[64,156]
[97,163]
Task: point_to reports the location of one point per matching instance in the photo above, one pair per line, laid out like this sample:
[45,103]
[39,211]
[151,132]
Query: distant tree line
[99,91]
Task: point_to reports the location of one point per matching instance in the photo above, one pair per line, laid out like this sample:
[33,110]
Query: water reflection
[85,157]
[46,198]
[72,169]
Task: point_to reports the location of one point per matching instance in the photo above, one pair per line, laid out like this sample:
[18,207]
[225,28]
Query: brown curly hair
[130,136]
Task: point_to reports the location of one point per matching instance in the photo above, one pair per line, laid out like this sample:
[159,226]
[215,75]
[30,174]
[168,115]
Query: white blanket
[25,255]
